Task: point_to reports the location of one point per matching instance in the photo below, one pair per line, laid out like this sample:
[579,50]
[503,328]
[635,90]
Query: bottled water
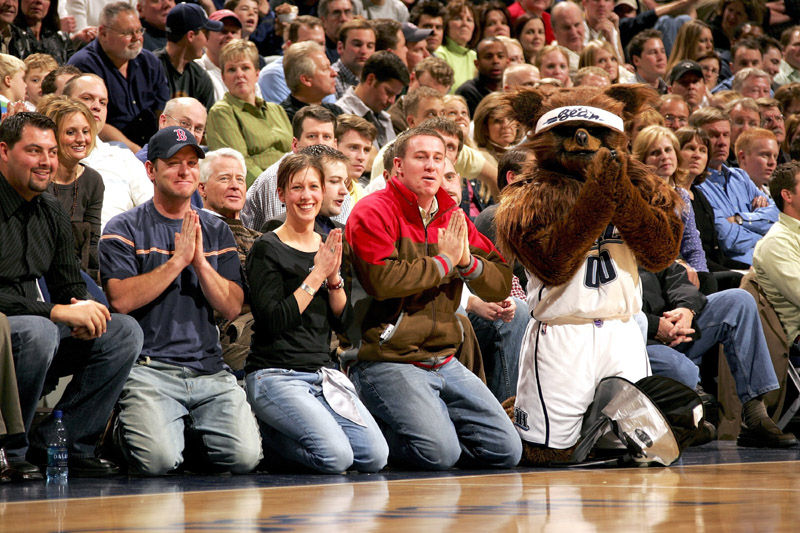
[57,454]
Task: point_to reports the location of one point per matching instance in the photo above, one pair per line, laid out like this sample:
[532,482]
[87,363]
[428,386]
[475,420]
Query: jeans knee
[508,452]
[239,453]
[334,459]
[243,460]
[375,461]
[738,301]
[154,460]
[37,338]
[434,455]
[130,333]
[125,340]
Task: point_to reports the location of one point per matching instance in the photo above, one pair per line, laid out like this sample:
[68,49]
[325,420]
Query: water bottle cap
[57,414]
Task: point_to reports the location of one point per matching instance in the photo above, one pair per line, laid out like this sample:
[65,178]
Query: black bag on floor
[651,421]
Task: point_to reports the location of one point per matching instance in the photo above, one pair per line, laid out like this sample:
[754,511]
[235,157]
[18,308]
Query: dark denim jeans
[98,367]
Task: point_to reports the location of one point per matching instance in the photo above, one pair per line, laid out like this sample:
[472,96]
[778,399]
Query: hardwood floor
[758,496]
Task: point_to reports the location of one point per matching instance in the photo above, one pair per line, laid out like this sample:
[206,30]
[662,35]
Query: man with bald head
[186,112]
[519,76]
[126,182]
[569,28]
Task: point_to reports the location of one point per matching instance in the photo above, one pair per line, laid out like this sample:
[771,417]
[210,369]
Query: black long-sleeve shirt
[667,290]
[282,336]
[36,241]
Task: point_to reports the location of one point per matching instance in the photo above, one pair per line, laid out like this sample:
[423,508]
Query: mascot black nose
[581,137]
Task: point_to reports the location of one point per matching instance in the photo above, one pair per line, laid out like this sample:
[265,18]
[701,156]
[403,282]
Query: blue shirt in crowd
[731,192]
[134,101]
[178,326]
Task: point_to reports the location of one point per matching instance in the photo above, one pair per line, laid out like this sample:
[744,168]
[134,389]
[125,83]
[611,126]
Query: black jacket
[665,291]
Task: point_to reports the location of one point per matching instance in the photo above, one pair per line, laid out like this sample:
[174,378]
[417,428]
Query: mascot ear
[525,105]
[633,97]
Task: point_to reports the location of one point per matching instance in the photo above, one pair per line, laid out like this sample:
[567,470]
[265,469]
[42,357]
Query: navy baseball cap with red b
[186,17]
[166,142]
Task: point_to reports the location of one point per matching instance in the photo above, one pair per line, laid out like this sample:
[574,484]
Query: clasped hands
[454,240]
[328,260]
[675,327]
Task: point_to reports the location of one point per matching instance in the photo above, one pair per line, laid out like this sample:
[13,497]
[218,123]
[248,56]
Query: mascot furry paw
[580,222]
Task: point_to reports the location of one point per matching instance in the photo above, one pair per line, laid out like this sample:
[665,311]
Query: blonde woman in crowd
[259,130]
[553,62]
[78,188]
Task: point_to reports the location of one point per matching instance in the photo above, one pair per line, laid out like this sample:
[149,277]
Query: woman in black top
[695,150]
[309,412]
[78,188]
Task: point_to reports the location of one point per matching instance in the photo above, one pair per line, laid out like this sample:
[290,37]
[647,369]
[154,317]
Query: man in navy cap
[186,42]
[171,266]
[416,44]
[686,79]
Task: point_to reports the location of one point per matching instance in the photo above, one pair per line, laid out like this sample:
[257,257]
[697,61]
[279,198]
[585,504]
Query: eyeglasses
[771,119]
[138,32]
[185,124]
[676,119]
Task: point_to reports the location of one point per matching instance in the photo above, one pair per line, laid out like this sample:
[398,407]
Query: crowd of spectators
[198,192]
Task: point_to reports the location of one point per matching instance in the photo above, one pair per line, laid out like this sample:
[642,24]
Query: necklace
[74,195]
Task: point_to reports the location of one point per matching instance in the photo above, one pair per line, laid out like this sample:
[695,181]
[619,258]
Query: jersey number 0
[599,270]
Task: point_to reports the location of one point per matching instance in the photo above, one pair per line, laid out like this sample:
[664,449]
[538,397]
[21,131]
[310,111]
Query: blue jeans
[501,359]
[160,400]
[730,317]
[300,425]
[433,418]
[98,367]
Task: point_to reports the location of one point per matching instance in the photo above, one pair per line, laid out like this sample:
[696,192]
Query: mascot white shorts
[560,368]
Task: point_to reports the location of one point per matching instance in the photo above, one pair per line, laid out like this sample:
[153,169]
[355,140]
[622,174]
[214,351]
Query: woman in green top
[459,33]
[259,130]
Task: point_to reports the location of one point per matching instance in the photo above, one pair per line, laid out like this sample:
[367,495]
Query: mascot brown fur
[583,180]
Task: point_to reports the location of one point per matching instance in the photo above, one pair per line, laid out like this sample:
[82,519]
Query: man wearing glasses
[186,112]
[137,86]
[772,119]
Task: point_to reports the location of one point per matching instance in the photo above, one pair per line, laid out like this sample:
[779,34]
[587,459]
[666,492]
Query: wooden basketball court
[718,487]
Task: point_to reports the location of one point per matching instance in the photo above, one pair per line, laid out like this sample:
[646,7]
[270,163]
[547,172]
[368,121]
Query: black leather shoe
[705,434]
[91,467]
[21,470]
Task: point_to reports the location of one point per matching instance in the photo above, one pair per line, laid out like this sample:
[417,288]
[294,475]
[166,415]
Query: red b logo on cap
[181,135]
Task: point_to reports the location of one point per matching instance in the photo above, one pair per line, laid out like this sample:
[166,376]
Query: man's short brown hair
[303,20]
[317,112]
[414,99]
[784,177]
[362,126]
[437,68]
[705,116]
[401,144]
[447,127]
[352,25]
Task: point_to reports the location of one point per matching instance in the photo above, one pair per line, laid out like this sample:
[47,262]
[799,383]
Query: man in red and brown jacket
[412,251]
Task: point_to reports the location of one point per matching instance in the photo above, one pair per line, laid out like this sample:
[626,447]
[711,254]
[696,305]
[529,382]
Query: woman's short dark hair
[454,9]
[293,164]
[685,135]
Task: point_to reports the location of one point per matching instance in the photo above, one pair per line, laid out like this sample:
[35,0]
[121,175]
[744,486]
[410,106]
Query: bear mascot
[580,222]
